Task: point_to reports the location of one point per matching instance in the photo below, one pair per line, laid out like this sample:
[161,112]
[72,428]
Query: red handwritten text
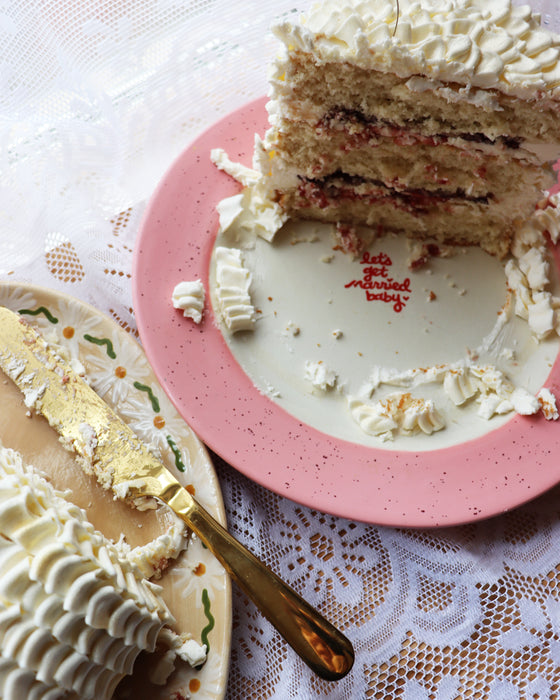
[377,283]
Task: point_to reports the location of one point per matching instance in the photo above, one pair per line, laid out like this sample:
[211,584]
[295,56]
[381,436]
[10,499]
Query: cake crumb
[508,354]
[272,392]
[311,238]
[293,329]
[320,376]
[420,253]
[348,240]
[547,401]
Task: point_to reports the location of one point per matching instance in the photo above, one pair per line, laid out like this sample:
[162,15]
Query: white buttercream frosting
[535,266]
[548,218]
[398,413]
[233,282]
[189,296]
[192,652]
[480,43]
[251,211]
[373,418]
[498,395]
[75,613]
[320,375]
[458,385]
[246,176]
[463,383]
[527,271]
[479,98]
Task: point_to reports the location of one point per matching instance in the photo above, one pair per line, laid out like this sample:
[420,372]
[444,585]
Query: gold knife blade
[109,448]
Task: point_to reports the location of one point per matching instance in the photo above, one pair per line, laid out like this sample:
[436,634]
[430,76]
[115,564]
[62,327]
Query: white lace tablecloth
[97,98]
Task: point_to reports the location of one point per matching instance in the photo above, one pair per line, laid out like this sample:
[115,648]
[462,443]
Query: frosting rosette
[474,42]
[75,613]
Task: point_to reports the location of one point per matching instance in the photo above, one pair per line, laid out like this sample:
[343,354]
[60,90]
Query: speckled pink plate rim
[476,479]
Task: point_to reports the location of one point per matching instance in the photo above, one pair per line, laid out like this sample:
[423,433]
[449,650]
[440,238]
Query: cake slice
[439,120]
[75,613]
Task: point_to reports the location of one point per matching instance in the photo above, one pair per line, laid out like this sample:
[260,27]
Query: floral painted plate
[196,587]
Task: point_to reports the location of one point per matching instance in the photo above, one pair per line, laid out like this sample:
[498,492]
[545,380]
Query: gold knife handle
[323,648]
[118,458]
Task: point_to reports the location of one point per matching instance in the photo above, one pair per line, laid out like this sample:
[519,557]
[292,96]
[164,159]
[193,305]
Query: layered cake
[436,119]
[75,613]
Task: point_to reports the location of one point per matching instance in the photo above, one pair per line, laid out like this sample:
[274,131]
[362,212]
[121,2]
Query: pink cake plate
[289,439]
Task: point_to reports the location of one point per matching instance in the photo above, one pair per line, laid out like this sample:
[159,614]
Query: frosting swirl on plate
[233,282]
[398,413]
[484,43]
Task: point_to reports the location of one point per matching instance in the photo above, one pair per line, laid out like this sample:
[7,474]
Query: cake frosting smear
[437,120]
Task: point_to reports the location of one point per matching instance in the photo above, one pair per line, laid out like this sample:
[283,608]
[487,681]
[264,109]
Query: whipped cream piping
[398,413]
[473,42]
[74,612]
[401,413]
[233,281]
[189,296]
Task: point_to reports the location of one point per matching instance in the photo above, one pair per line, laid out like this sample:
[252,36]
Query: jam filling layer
[358,125]
[340,187]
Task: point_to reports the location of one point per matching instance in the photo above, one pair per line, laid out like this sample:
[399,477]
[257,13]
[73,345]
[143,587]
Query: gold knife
[109,448]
